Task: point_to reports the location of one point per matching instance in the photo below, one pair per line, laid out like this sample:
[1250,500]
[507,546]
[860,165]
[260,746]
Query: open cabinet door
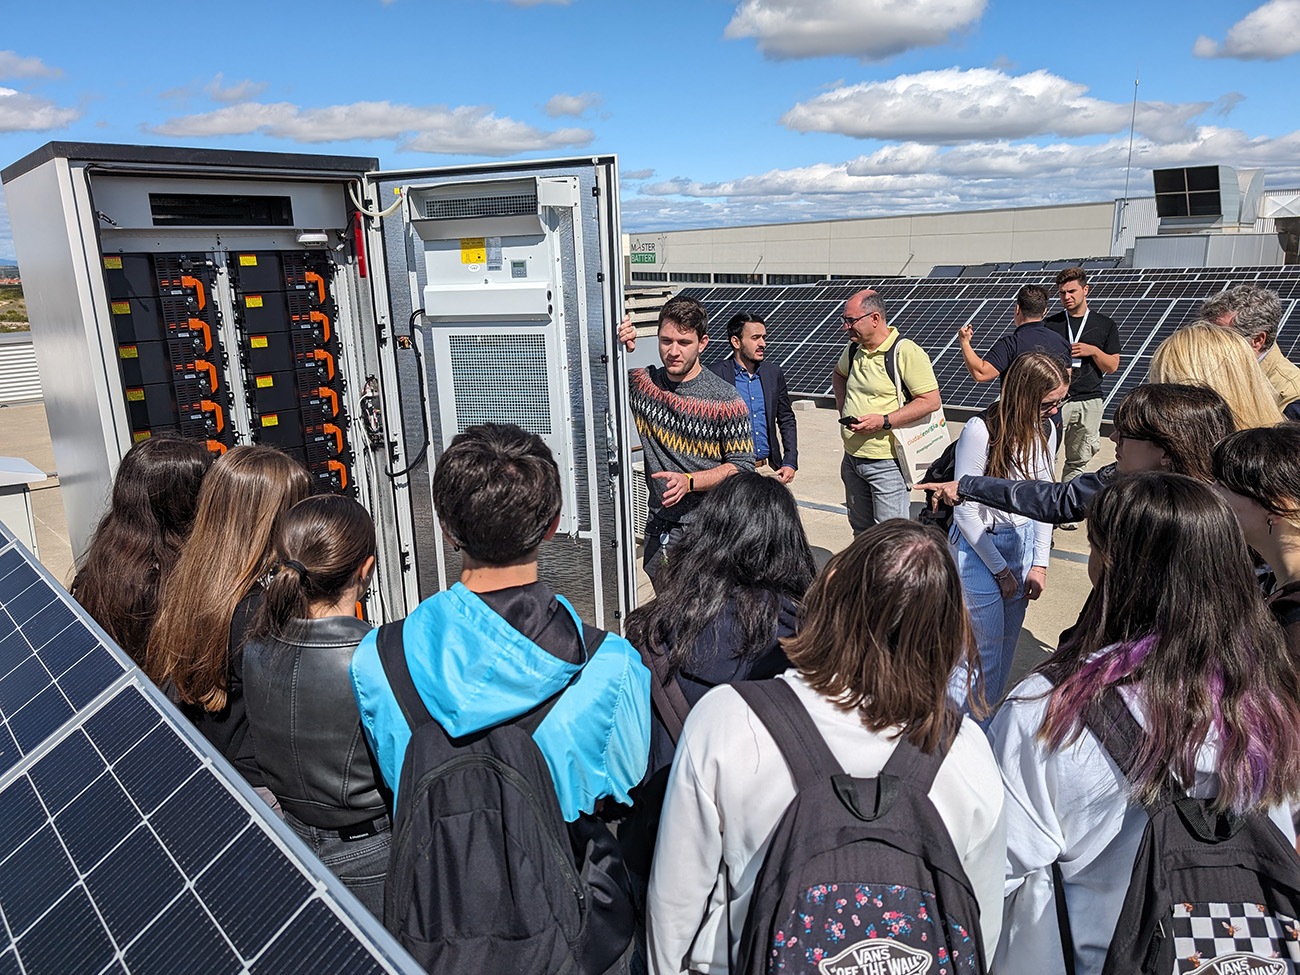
[504,287]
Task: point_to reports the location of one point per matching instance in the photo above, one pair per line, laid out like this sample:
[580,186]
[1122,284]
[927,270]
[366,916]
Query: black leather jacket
[305,726]
[1040,500]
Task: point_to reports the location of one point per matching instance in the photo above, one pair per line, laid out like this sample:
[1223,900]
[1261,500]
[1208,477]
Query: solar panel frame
[104,861]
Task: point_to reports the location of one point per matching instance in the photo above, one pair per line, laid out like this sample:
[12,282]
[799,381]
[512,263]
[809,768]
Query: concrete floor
[24,433]
[817,487]
[820,493]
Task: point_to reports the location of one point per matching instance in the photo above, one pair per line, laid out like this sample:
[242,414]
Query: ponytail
[320,547]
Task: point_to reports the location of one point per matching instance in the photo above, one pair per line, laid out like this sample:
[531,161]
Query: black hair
[745,549]
[736,327]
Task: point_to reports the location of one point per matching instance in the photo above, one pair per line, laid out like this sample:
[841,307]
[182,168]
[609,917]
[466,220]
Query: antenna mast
[1123,213]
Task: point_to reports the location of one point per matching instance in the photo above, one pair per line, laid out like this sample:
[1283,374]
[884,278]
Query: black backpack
[861,876]
[484,874]
[1211,892]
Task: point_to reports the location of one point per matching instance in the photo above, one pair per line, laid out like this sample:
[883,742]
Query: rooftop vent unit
[1201,199]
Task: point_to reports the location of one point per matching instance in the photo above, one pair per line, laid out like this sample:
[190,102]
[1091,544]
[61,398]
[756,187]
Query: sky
[721,112]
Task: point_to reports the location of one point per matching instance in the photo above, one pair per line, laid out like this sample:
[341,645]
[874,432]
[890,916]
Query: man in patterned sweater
[694,427]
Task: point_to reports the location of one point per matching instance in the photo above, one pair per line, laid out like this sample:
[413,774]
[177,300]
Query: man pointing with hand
[694,427]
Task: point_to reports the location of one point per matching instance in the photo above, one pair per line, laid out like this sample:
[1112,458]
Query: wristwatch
[886,425]
[690,484]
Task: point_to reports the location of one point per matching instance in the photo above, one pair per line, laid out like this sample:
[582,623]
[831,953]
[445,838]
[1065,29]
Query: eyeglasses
[1048,405]
[849,320]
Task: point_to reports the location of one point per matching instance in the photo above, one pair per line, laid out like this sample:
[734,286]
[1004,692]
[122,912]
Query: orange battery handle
[197,285]
[320,316]
[326,393]
[210,369]
[360,612]
[210,407]
[217,446]
[322,356]
[312,276]
[200,325]
[338,435]
[338,465]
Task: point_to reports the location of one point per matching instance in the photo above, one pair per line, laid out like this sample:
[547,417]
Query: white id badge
[1076,363]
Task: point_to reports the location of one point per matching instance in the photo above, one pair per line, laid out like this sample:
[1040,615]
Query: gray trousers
[873,491]
[1080,434]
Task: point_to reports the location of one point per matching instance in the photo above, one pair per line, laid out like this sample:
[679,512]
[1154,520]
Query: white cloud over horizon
[953,105]
[574,105]
[1267,33]
[463,130]
[22,112]
[14,65]
[920,178]
[869,30]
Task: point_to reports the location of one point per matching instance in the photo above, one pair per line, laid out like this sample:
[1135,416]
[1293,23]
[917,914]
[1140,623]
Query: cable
[353,184]
[424,409]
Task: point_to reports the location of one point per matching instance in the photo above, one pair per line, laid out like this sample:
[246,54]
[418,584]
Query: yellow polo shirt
[871,391]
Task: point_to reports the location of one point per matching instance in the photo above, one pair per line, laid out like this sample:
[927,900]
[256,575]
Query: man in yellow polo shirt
[868,406]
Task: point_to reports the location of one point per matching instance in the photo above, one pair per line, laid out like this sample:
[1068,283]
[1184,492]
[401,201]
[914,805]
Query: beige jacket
[1283,375]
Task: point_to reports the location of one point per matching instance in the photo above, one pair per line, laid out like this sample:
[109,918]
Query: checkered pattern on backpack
[1204,932]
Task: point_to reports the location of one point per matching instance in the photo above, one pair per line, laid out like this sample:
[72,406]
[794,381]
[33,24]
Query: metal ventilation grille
[521,205]
[501,379]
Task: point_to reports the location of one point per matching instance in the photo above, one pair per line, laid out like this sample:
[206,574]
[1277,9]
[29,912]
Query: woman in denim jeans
[1002,557]
[302,716]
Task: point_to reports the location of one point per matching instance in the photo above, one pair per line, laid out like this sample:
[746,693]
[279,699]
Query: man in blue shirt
[762,386]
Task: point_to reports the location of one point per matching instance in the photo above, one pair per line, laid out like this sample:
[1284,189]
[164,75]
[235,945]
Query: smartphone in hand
[848,421]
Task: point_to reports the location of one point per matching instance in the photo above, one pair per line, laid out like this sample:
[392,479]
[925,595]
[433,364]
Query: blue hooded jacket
[474,670]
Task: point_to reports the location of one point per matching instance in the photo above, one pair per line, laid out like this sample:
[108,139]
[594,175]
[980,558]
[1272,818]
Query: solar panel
[127,844]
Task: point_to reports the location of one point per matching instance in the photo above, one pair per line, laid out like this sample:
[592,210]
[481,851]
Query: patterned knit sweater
[688,427]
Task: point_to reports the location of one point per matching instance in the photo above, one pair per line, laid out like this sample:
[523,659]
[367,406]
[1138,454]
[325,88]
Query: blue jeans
[361,864]
[996,621]
[660,535]
[873,491]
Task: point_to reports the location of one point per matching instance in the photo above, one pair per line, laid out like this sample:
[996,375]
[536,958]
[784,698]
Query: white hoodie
[729,787]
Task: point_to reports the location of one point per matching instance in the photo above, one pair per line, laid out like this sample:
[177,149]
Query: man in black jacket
[762,386]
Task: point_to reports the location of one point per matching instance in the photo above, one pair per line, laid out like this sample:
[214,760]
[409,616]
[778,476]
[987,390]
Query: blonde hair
[1203,354]
[230,549]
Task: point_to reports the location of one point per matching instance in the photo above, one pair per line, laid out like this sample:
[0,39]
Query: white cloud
[638,174]
[870,30]
[923,178]
[954,105]
[20,112]
[1267,33]
[239,91]
[6,234]
[13,65]
[574,105]
[464,130]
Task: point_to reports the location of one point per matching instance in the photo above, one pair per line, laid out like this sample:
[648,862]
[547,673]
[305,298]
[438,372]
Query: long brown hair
[1183,421]
[319,546]
[1016,426]
[139,538]
[229,550]
[1177,614]
[884,625]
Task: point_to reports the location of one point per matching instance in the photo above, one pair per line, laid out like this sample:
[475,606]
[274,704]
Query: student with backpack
[1150,763]
[855,751]
[500,721]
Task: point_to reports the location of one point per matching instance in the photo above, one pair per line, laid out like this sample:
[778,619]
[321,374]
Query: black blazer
[776,400]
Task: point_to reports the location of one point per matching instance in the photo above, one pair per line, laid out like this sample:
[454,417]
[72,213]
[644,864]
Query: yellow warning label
[473,250]
[135,395]
[271,420]
[252,301]
[128,352]
[121,307]
[257,342]
[264,381]
[248,260]
[112,264]
[140,435]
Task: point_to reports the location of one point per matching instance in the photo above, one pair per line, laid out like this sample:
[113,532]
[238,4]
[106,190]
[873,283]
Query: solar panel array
[127,845]
[1148,304]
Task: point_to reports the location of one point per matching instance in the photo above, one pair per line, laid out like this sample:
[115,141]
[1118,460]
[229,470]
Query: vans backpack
[861,877]
[1214,893]
[484,875]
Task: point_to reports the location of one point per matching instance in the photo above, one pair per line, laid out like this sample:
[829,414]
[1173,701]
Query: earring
[1270,526]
